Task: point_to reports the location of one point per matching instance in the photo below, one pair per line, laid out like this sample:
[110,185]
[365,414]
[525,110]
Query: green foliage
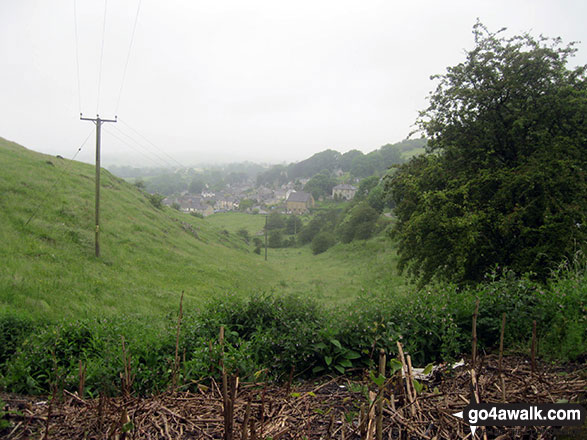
[504,181]
[273,333]
[293,225]
[246,204]
[359,223]
[320,185]
[197,185]
[334,357]
[244,233]
[275,220]
[322,241]
[275,239]
[156,200]
[13,331]
[365,187]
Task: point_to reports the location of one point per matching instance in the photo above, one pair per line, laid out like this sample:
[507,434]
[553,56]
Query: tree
[244,234]
[293,225]
[365,186]
[359,223]
[275,239]
[504,178]
[322,242]
[320,185]
[196,186]
[275,221]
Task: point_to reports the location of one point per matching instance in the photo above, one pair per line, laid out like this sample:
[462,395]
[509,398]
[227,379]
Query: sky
[220,81]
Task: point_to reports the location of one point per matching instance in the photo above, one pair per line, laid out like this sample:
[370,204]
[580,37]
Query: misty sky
[225,81]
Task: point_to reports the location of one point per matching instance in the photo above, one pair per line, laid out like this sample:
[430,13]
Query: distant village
[287,198]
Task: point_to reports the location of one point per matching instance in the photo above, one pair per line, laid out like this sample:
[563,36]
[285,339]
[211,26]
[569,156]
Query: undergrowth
[272,337]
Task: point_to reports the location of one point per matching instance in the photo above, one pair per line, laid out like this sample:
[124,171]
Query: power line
[101,56]
[132,147]
[140,145]
[79,93]
[146,150]
[128,56]
[154,145]
[50,192]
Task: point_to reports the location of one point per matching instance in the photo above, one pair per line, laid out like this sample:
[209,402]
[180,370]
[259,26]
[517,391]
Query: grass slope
[149,255]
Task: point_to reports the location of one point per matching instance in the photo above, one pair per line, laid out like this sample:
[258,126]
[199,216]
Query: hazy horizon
[224,82]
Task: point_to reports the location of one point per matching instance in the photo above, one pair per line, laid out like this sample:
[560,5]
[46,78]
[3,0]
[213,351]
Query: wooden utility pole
[265,238]
[98,123]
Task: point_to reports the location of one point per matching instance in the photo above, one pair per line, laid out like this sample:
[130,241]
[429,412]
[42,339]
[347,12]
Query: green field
[149,255]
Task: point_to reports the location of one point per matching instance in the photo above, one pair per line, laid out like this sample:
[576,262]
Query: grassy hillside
[149,255]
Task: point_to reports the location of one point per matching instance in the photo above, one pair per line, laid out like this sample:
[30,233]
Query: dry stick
[407,379]
[128,378]
[174,379]
[289,381]
[330,425]
[379,425]
[534,346]
[50,411]
[262,408]
[253,430]
[476,396]
[501,337]
[82,379]
[474,359]
[362,422]
[410,372]
[245,433]
[371,415]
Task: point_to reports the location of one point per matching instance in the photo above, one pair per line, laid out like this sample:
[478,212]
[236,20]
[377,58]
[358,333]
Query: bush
[244,234]
[272,333]
[13,331]
[322,242]
[156,200]
[275,239]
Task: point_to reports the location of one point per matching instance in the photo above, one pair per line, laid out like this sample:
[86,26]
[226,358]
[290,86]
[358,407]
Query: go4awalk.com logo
[522,414]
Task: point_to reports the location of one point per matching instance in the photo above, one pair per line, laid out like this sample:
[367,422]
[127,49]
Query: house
[190,204]
[226,203]
[344,191]
[299,202]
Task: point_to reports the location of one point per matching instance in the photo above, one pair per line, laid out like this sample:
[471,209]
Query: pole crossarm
[98,121]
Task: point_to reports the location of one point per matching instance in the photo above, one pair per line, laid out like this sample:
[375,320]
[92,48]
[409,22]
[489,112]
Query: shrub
[156,200]
[322,242]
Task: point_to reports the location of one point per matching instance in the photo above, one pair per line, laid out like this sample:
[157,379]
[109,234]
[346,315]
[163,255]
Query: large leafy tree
[503,181]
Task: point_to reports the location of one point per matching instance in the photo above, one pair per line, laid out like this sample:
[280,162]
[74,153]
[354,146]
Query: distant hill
[354,162]
[149,255]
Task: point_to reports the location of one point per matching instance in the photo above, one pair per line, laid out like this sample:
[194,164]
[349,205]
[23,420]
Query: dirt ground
[333,408]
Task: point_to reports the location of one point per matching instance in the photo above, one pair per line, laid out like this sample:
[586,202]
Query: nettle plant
[334,356]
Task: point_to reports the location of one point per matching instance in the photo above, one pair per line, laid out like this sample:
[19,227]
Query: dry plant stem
[245,432]
[81,379]
[475,389]
[474,356]
[410,373]
[379,426]
[407,379]
[533,346]
[501,337]
[186,415]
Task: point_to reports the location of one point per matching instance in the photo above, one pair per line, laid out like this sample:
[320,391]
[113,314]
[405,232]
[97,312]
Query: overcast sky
[225,81]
